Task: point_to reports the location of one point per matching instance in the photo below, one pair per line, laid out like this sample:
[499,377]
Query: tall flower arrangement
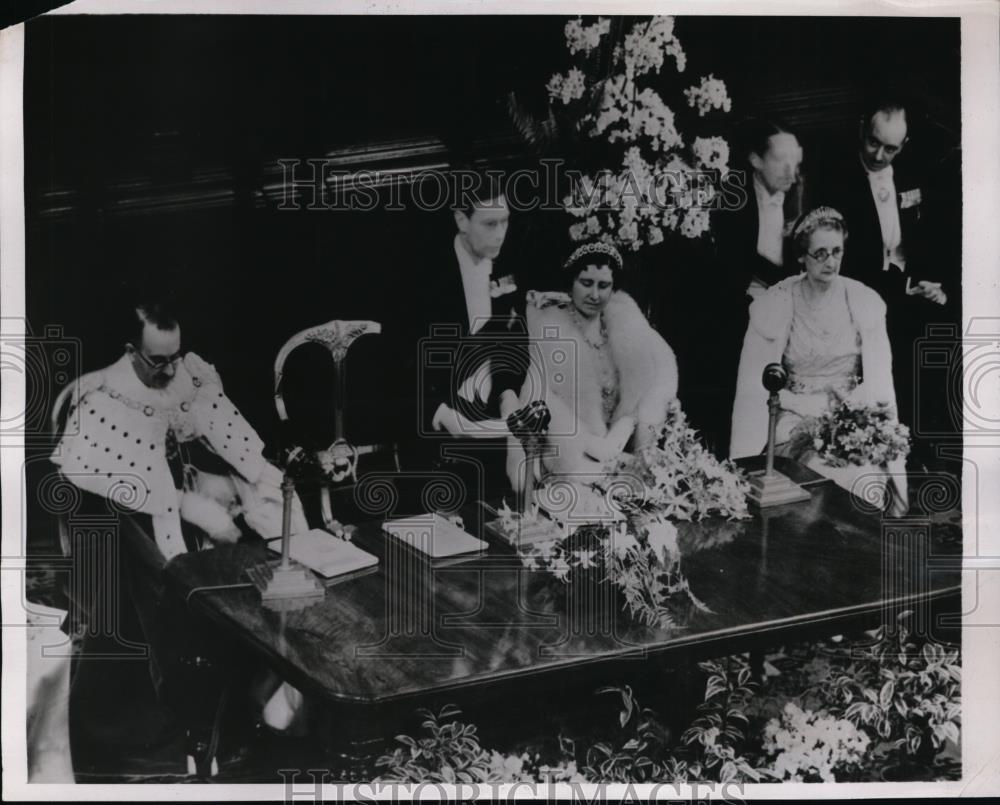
[657,180]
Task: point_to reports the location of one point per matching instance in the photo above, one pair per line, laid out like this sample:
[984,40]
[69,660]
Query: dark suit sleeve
[509,376]
[413,311]
[736,249]
[844,187]
[513,367]
[729,227]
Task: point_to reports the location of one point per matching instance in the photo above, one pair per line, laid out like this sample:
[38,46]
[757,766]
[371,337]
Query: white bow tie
[882,178]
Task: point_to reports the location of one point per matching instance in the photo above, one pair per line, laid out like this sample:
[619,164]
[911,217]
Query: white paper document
[434,535]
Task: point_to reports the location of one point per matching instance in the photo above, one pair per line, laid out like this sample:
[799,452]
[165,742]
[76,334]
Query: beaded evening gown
[823,355]
[823,352]
[591,373]
[594,339]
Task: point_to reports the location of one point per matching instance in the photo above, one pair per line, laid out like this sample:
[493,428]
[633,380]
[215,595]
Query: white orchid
[696,222]
[623,543]
[662,538]
[708,95]
[647,45]
[559,568]
[583,39]
[566,88]
[711,152]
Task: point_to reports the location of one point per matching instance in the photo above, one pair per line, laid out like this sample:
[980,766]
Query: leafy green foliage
[904,694]
[639,754]
[712,749]
[901,695]
[719,732]
[450,753]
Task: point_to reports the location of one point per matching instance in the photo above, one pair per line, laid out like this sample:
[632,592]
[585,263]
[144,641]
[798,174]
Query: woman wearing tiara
[605,374]
[829,333]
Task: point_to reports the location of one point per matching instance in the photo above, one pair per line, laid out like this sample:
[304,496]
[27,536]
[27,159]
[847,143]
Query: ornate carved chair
[340,459]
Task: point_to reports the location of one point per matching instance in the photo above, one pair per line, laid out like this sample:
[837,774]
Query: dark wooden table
[413,632]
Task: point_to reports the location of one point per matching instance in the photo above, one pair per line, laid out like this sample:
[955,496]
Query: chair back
[341,458]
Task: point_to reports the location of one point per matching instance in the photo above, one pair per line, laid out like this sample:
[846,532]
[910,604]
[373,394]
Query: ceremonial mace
[770,487]
[288,584]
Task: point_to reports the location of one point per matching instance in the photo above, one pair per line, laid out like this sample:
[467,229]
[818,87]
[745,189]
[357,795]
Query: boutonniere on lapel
[910,198]
[502,286]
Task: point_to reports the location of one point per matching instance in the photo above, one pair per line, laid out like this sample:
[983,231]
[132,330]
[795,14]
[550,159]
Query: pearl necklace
[586,327]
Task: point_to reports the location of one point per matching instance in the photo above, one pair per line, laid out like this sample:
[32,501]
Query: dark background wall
[151,148]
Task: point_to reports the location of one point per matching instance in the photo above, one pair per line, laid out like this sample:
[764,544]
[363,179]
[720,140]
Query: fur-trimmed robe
[114,445]
[765,342]
[562,373]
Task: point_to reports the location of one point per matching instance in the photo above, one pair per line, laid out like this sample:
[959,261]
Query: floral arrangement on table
[852,433]
[618,527]
[680,478]
[610,96]
[810,747]
[642,561]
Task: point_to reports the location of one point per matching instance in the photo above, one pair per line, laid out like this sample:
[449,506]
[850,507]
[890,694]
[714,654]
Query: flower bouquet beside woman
[829,334]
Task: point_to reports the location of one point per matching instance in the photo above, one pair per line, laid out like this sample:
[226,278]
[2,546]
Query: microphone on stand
[770,487]
[286,585]
[774,380]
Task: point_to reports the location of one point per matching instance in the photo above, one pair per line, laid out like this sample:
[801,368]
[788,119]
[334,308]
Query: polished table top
[411,627]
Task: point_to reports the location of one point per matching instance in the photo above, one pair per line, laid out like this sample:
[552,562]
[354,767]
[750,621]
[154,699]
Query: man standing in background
[891,245]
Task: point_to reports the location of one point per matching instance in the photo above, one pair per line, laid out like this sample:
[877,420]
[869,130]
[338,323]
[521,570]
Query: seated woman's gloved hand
[602,448]
[866,394]
[527,424]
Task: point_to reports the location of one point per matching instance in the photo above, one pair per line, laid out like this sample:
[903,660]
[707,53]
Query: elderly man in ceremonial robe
[156,433]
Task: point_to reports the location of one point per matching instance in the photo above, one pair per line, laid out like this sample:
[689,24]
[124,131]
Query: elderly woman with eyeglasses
[829,334]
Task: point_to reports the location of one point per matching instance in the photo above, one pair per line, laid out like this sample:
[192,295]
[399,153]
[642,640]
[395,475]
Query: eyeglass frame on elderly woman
[836,251]
[163,363]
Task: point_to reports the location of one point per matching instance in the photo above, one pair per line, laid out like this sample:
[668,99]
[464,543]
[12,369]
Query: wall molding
[398,161]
